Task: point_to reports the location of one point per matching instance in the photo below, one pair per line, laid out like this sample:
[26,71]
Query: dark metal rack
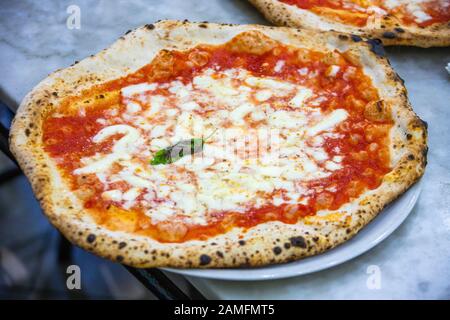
[153,279]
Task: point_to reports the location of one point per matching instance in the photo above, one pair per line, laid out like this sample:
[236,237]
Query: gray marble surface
[414,261]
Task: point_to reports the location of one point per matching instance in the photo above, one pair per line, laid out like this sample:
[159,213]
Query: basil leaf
[177,151]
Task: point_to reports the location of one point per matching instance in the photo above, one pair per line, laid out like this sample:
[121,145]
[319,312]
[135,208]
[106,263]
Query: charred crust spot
[287,245]
[219,254]
[343,37]
[400,79]
[424,154]
[376,47]
[90,238]
[425,123]
[277,250]
[55,94]
[408,136]
[241,242]
[202,25]
[27,132]
[356,38]
[411,157]
[119,258]
[122,244]
[149,26]
[128,32]
[389,35]
[399,30]
[298,242]
[205,259]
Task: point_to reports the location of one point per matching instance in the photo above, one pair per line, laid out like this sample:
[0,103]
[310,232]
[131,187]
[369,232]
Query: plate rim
[221,274]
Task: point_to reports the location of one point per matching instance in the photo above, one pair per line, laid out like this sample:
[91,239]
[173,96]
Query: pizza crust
[268,243]
[388,29]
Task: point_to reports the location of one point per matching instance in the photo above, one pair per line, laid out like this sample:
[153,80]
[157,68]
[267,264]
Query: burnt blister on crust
[298,241]
[356,38]
[205,260]
[277,250]
[91,238]
[389,35]
[376,47]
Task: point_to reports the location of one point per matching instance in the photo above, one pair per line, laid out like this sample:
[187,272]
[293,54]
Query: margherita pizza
[423,23]
[205,145]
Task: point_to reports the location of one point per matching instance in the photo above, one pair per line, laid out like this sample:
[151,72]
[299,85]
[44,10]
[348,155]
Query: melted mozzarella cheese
[156,103]
[113,195]
[279,66]
[329,122]
[138,88]
[300,97]
[133,107]
[412,6]
[238,114]
[332,71]
[263,95]
[121,150]
[229,174]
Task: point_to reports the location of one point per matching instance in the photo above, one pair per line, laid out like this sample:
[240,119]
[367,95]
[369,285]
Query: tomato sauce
[68,138]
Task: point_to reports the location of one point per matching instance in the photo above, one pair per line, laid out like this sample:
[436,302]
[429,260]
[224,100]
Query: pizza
[207,145]
[422,23]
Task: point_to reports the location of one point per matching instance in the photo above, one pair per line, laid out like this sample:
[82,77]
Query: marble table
[414,261]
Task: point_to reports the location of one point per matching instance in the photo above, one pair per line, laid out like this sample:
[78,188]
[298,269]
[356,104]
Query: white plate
[375,232]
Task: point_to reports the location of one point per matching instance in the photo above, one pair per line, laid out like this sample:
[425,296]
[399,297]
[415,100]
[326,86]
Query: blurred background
[38,37]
